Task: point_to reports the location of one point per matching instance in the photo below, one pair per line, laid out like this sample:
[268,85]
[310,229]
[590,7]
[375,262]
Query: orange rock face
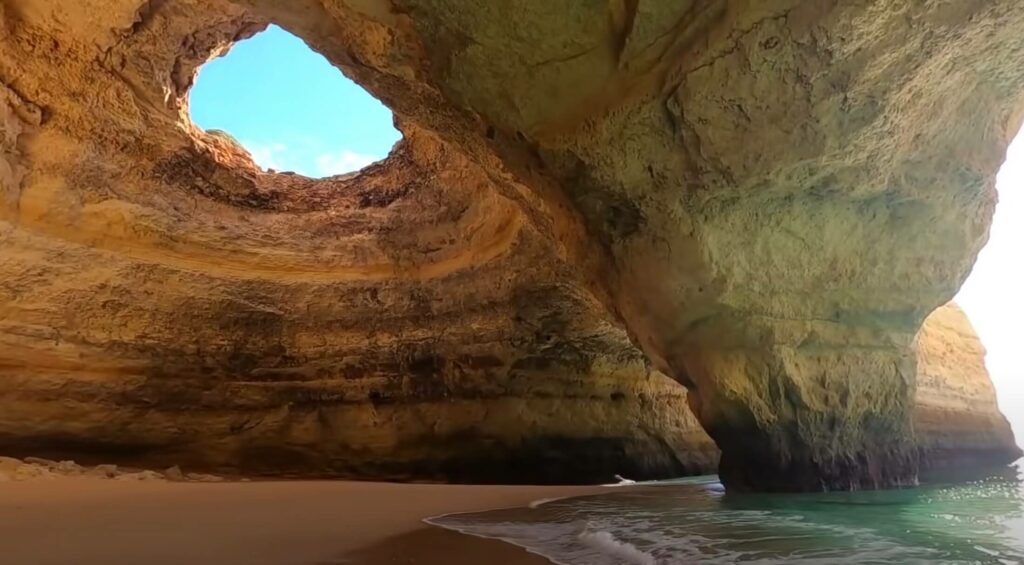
[956,417]
[166,302]
[765,198]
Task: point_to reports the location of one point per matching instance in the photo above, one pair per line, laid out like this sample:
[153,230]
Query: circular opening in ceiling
[290,108]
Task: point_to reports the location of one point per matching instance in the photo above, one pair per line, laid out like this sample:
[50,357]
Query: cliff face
[767,197]
[956,417]
[165,302]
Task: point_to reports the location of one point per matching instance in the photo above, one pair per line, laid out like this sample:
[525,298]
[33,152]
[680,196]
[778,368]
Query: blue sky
[291,108]
[295,112]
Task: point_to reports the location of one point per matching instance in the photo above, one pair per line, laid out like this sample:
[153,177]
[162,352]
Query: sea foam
[542,501]
[607,544]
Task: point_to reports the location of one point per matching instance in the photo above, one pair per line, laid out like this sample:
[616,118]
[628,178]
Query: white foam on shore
[559,543]
[607,544]
[542,501]
[623,482]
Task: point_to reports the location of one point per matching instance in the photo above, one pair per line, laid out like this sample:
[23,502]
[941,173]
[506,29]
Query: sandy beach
[87,520]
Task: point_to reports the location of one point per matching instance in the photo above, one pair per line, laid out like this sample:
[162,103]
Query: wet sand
[437,546]
[95,521]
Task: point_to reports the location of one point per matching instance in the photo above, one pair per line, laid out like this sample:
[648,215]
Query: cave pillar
[769,196]
[807,418]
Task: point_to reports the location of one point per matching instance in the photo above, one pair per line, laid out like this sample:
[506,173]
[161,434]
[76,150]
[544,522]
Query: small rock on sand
[40,461]
[174,474]
[30,472]
[140,476]
[107,471]
[34,468]
[204,478]
[68,468]
[9,465]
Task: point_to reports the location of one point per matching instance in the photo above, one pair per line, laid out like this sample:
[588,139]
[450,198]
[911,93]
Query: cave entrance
[290,108]
[992,296]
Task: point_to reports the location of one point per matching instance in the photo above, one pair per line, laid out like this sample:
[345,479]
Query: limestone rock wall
[545,430]
[766,196]
[956,416]
[164,302]
[784,190]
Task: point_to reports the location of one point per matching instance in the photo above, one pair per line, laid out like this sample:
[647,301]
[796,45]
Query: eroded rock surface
[767,197]
[956,417]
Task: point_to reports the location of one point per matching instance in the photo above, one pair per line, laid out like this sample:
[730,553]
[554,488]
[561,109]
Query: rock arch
[769,197]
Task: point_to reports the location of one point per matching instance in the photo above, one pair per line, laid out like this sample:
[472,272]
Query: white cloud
[344,161]
[268,156]
[308,158]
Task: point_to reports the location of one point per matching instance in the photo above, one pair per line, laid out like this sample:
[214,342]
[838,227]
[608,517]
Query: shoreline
[92,520]
[435,545]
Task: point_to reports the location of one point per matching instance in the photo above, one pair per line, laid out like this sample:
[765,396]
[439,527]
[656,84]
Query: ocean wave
[606,543]
[690,522]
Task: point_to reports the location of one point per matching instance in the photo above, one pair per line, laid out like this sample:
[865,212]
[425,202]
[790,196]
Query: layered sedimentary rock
[166,302]
[956,417]
[767,197]
[550,434]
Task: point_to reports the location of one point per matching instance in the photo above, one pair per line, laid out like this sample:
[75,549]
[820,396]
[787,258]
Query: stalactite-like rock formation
[766,197]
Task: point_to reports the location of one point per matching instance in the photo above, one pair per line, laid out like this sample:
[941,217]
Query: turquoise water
[695,521]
